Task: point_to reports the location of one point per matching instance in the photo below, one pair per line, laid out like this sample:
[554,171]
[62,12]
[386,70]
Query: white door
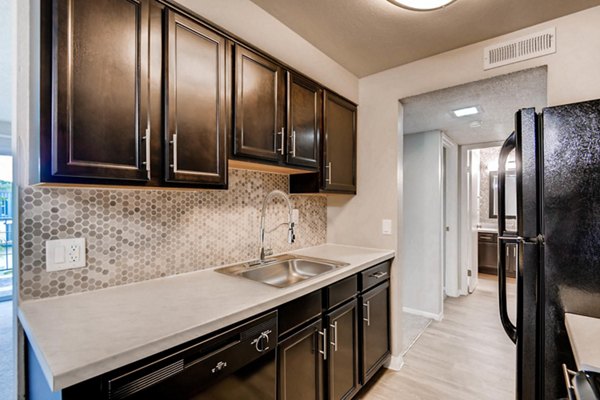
[473,207]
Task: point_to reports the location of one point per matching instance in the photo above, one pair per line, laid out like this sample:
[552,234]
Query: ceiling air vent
[530,46]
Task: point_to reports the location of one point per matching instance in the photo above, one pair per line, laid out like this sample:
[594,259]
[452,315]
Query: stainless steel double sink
[283,271]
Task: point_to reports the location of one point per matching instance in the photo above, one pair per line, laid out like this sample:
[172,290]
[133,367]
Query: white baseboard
[436,317]
[396,363]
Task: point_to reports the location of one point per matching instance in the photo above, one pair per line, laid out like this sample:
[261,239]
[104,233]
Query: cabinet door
[259,107]
[299,362]
[342,362]
[339,153]
[375,347]
[99,86]
[196,108]
[305,111]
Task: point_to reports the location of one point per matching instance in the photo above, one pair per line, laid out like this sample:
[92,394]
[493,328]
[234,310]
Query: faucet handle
[291,233]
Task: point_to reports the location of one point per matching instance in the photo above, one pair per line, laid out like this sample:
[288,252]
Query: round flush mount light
[421,5]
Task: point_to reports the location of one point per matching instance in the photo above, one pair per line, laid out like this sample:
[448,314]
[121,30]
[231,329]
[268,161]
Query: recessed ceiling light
[463,112]
[421,5]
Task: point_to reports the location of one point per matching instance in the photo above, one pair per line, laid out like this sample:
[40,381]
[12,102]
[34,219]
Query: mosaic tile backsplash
[135,235]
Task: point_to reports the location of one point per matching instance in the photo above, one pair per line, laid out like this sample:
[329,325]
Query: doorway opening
[447,191]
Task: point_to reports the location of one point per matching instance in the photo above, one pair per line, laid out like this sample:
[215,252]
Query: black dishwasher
[238,363]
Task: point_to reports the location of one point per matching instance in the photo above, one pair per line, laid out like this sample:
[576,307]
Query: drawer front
[299,311]
[487,237]
[341,291]
[375,275]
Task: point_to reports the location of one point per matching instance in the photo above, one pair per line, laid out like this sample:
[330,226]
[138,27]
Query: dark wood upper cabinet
[196,104]
[98,86]
[337,173]
[259,107]
[375,348]
[305,115]
[343,352]
[300,365]
[339,145]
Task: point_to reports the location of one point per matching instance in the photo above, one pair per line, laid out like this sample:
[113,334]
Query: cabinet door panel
[300,366]
[343,352]
[99,88]
[375,328]
[259,112]
[196,103]
[304,121]
[339,165]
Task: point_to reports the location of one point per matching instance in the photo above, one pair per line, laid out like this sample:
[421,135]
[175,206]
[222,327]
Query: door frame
[449,239]
[465,255]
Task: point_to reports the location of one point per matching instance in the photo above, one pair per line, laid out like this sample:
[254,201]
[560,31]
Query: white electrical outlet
[65,254]
[295,216]
[386,226]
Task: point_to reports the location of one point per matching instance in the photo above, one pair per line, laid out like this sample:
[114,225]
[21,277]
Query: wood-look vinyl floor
[466,356]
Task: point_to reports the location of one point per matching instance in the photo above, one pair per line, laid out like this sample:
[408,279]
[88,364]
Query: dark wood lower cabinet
[375,343]
[342,361]
[300,365]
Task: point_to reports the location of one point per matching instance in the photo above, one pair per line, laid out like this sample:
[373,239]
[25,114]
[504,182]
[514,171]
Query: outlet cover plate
[65,254]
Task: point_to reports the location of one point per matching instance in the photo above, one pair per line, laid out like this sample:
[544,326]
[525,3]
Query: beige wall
[573,75]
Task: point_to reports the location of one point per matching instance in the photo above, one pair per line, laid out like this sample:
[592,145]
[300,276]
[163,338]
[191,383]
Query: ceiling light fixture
[463,112]
[422,5]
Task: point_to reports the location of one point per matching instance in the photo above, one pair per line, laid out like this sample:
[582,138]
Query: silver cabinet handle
[324,351]
[368,319]
[379,275]
[174,143]
[335,339]
[507,251]
[328,167]
[281,149]
[294,143]
[147,139]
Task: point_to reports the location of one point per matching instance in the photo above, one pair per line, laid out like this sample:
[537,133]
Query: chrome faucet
[291,233]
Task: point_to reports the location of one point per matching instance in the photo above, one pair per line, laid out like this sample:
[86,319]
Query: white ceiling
[498,99]
[368,36]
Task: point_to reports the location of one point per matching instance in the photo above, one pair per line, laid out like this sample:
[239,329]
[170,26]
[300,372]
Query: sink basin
[283,271]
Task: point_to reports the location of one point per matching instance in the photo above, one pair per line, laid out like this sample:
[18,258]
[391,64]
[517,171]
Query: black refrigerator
[557,156]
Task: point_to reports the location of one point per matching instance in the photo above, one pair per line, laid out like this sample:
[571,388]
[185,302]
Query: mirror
[511,194]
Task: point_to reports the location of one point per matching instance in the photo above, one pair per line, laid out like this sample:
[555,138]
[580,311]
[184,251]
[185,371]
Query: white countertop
[487,230]
[584,334]
[79,336]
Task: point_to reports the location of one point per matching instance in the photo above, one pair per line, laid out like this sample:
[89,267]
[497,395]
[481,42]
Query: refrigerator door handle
[508,146]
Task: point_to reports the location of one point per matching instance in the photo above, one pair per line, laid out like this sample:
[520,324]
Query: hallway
[467,356]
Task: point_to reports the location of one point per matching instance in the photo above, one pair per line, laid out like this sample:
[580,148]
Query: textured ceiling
[498,99]
[368,36]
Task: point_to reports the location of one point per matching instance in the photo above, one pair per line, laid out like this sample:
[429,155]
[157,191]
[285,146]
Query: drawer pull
[379,275]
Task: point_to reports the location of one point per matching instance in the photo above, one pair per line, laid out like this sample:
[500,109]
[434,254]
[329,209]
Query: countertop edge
[62,379]
[576,347]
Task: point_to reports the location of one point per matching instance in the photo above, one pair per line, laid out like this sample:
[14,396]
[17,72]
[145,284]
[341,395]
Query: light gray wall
[422,222]
[6,33]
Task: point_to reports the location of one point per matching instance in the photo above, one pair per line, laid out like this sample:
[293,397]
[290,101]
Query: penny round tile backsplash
[135,235]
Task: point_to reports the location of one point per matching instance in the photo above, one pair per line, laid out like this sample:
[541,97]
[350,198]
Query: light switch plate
[65,254]
[386,226]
